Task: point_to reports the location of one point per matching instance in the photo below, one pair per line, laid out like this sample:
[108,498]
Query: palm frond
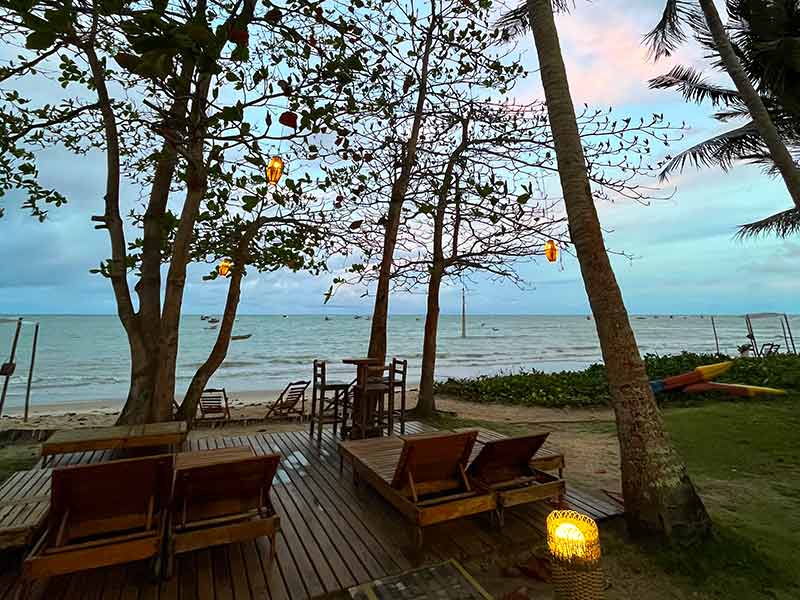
[669,33]
[695,88]
[782,225]
[723,150]
[517,21]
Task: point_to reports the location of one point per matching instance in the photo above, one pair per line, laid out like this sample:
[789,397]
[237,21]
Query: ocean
[84,358]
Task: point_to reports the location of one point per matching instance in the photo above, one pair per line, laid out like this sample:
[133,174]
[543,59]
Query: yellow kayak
[733,389]
[709,372]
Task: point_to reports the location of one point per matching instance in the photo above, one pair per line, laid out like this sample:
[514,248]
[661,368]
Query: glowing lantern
[274,170]
[224,267]
[551,250]
[574,545]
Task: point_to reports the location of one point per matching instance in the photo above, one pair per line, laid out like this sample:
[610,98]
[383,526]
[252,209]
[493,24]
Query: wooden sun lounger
[286,404]
[24,500]
[119,437]
[503,466]
[547,458]
[423,476]
[213,405]
[103,514]
[221,497]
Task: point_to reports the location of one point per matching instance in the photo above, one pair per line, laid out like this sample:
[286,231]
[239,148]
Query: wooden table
[170,433]
[204,458]
[364,399]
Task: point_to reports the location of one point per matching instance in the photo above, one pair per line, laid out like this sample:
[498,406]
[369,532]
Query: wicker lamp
[574,544]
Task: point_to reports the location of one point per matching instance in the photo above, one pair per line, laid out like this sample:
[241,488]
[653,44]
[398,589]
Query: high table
[366,397]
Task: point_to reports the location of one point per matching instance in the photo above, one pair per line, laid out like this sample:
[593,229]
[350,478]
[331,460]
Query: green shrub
[590,386]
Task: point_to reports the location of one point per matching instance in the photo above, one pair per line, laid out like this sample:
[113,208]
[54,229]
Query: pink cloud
[606,60]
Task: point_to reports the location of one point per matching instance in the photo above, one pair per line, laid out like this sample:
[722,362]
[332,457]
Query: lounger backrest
[213,402]
[109,497]
[222,489]
[293,393]
[433,457]
[505,459]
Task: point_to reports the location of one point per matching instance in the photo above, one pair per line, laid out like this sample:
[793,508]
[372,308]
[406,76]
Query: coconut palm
[659,496]
[759,55]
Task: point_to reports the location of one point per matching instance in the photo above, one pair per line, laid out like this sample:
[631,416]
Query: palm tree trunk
[426,403]
[659,496]
[777,149]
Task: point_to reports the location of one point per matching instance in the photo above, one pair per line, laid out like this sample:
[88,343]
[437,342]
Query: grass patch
[17,457]
[589,387]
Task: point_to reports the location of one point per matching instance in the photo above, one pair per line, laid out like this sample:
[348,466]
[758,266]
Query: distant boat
[242,337]
[204,317]
[210,320]
[357,316]
[327,318]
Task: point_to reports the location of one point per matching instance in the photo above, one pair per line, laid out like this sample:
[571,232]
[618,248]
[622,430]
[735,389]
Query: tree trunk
[659,496]
[426,403]
[766,128]
[380,312]
[188,408]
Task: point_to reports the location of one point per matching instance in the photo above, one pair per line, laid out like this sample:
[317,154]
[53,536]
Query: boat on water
[213,320]
[242,337]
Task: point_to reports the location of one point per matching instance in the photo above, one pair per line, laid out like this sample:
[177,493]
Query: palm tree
[659,496]
[743,63]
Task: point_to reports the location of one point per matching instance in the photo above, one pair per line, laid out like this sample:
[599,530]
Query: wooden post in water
[30,372]
[463,314]
[716,339]
[11,363]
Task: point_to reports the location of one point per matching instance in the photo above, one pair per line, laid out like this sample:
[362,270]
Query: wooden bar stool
[324,408]
[372,394]
[398,373]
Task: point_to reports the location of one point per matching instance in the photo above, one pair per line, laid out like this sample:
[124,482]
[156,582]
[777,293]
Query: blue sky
[686,260]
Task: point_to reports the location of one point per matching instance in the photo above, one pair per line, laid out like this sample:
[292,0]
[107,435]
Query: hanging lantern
[274,170]
[574,545]
[551,250]
[224,267]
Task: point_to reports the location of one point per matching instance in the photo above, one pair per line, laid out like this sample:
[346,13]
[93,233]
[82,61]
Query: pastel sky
[685,257]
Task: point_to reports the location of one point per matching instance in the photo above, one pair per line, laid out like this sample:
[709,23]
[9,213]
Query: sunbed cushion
[505,459]
[433,457]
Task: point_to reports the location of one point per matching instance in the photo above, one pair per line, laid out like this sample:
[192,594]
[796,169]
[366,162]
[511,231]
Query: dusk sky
[686,260]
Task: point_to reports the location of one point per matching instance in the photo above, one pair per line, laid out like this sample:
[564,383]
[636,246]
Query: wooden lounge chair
[103,514]
[423,476]
[286,404]
[213,405]
[221,503]
[503,467]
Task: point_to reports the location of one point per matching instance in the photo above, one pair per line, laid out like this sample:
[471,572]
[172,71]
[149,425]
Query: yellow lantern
[274,170]
[572,537]
[224,267]
[551,250]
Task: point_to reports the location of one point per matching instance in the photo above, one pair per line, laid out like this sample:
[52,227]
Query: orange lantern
[224,267]
[551,250]
[274,170]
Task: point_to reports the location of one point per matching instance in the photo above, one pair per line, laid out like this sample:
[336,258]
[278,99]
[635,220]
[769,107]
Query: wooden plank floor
[333,536]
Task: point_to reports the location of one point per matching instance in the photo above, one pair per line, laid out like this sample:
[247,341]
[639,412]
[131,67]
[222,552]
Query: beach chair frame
[503,467]
[222,503]
[213,405]
[429,484]
[103,514]
[286,405]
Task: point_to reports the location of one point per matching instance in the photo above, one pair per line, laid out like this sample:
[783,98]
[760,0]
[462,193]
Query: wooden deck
[333,536]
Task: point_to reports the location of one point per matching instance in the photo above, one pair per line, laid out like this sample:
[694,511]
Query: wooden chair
[103,514]
[326,409]
[398,373]
[286,404]
[504,467]
[423,476]
[225,502]
[213,405]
